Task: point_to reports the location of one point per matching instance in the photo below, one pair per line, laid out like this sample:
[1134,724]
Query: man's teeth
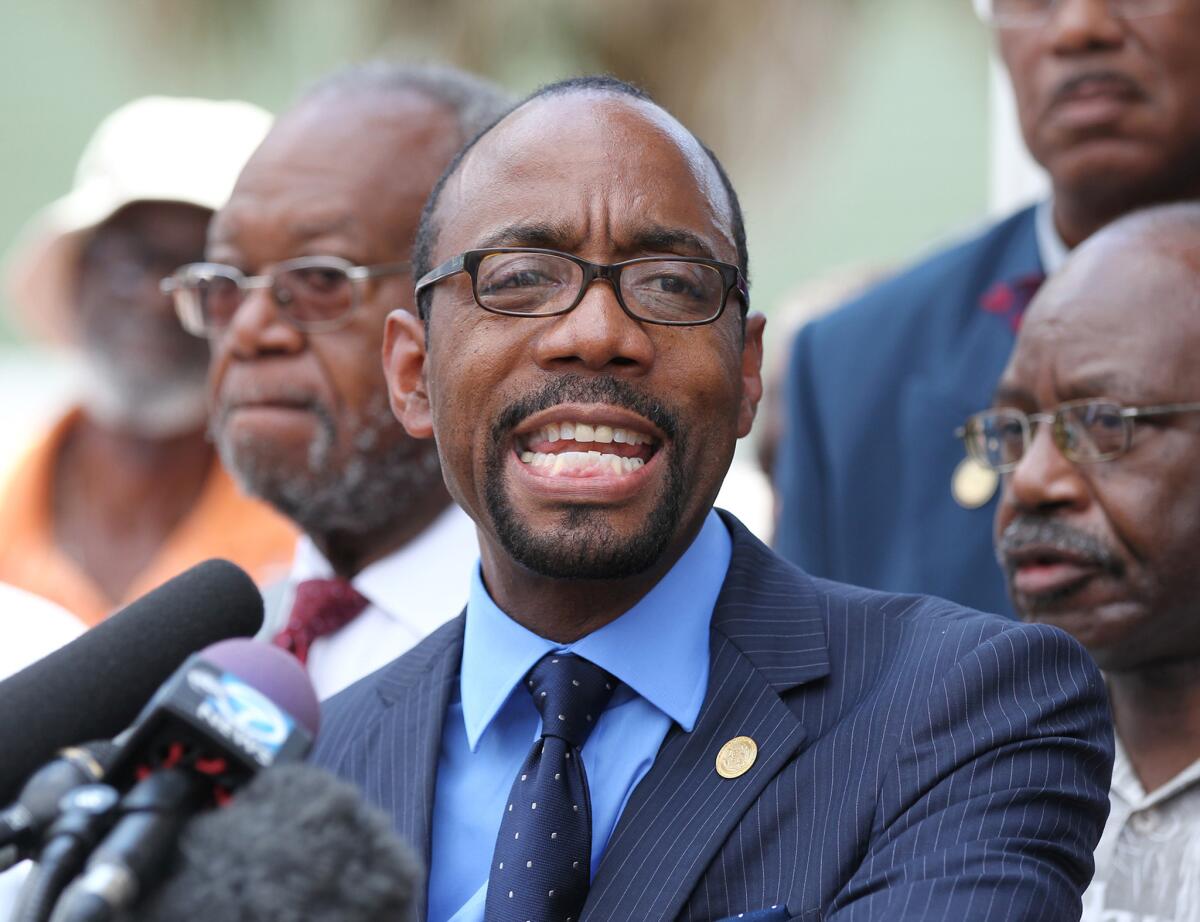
[574,460]
[582,432]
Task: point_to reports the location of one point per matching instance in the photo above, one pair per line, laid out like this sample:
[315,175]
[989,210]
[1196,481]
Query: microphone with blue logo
[229,712]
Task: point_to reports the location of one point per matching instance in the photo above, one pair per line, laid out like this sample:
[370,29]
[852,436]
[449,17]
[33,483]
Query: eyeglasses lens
[527,283]
[218,297]
[314,295]
[672,291]
[1091,431]
[997,438]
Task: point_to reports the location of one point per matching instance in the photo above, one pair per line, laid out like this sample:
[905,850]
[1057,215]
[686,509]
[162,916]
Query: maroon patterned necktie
[1009,299]
[321,607]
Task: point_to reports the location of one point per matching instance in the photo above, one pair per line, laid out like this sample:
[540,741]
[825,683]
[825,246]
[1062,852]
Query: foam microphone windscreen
[294,845]
[96,685]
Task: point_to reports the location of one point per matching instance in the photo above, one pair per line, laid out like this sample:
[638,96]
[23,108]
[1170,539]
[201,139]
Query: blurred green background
[855,130]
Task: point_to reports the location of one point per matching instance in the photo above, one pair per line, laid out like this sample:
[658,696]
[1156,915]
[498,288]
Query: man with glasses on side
[1095,429]
[304,263]
[644,713]
[873,488]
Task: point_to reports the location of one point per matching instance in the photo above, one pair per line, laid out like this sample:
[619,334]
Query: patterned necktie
[541,869]
[1010,298]
[321,607]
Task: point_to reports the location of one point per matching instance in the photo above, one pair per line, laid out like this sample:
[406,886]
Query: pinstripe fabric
[916,760]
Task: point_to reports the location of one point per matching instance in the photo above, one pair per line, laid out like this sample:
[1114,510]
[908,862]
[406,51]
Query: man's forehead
[1125,313]
[336,162]
[580,135]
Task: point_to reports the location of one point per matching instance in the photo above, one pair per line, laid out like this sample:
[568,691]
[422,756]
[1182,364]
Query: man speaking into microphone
[644,713]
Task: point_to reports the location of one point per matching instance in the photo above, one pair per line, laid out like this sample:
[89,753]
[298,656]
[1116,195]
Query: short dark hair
[474,102]
[427,230]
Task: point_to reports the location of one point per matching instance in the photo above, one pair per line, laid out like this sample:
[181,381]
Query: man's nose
[597,334]
[258,328]
[1077,26]
[1044,478]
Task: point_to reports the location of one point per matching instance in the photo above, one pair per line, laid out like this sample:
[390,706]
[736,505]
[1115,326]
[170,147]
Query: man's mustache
[1043,533]
[577,389]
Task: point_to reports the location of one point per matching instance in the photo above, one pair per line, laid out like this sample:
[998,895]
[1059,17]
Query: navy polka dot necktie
[541,869]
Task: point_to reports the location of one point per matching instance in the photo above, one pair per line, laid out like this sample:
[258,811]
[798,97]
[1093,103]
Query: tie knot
[321,607]
[570,693]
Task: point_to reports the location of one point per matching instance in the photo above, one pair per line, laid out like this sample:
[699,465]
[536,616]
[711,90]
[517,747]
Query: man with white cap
[126,490]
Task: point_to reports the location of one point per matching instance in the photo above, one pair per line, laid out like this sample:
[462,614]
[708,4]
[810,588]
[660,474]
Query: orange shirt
[222,523]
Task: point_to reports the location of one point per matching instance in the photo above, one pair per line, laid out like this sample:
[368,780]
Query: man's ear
[752,382]
[404,369]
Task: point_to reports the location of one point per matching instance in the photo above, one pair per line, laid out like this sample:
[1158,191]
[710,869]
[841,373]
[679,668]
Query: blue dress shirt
[659,651]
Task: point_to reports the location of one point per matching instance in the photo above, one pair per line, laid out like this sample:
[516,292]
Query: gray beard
[380,483]
[151,408]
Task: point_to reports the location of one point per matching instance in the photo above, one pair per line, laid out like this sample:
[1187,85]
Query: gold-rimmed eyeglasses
[1085,431]
[313,293]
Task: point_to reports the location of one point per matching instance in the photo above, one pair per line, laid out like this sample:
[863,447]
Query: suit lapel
[767,637]
[399,756]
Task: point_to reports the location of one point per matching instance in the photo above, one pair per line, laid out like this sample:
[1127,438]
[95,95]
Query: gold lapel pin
[973,484]
[736,757]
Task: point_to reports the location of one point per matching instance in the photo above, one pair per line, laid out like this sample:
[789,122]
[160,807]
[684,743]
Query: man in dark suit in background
[874,488]
[720,735]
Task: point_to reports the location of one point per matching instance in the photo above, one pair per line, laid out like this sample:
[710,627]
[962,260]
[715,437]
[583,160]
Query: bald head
[603,106]
[1099,520]
[1143,269]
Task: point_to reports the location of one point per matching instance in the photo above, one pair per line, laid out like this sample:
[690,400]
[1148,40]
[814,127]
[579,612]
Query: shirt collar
[411,581]
[1052,250]
[1128,787]
[659,648]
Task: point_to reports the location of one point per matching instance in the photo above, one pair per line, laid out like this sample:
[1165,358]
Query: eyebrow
[548,236]
[545,235]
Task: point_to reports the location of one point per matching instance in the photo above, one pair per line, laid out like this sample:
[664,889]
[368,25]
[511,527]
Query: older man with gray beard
[1095,427]
[305,262]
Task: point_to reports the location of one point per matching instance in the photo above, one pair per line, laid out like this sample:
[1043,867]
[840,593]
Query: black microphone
[231,710]
[36,807]
[95,686]
[294,844]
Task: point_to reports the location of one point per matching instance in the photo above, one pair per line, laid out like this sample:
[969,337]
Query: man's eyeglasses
[1024,14]
[313,293]
[1085,431]
[528,282]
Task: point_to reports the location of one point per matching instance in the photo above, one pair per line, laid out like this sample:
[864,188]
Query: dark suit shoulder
[872,638]
[934,287]
[351,712]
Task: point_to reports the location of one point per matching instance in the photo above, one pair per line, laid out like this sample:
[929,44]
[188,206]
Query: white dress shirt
[1148,860]
[411,592]
[31,627]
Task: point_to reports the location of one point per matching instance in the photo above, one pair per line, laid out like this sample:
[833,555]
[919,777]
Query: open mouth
[577,449]
[1049,572]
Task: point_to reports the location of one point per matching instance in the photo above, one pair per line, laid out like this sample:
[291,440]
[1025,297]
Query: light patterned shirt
[1148,860]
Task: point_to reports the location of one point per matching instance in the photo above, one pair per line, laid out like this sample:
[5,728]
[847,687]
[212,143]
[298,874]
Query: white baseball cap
[154,149]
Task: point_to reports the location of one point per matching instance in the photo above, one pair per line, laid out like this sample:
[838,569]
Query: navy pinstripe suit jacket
[916,760]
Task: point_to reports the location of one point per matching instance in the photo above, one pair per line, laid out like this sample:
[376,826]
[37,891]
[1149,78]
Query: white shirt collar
[1128,787]
[411,582]
[1051,247]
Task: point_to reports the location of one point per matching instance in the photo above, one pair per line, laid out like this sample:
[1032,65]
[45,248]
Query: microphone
[294,844]
[229,711]
[22,823]
[94,686]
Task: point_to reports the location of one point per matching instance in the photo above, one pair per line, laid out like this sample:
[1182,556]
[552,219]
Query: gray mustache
[1035,531]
